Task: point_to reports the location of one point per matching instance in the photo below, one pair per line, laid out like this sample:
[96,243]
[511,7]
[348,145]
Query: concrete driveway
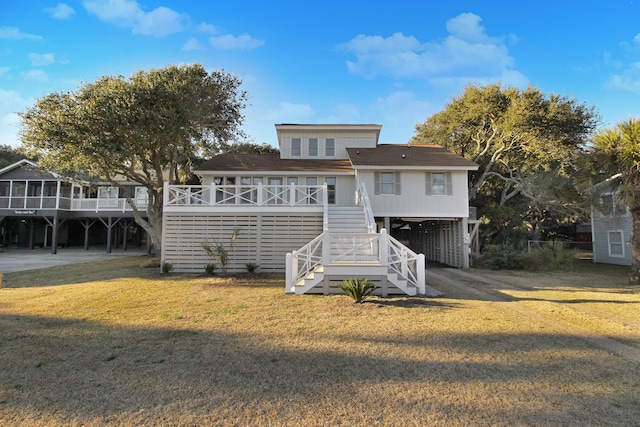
[24,259]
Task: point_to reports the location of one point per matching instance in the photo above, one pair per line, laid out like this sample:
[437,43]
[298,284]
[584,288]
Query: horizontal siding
[601,224]
[263,239]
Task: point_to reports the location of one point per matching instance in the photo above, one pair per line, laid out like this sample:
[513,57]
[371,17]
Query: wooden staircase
[352,251]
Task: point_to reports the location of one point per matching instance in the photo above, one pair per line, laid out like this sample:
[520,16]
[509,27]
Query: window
[616,244]
[438,184]
[331,189]
[295,147]
[329,147]
[313,147]
[387,183]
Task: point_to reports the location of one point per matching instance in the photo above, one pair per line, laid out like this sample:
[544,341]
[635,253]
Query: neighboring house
[611,226]
[333,204]
[39,209]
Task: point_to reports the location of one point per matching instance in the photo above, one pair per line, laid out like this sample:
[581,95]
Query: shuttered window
[387,183]
[438,184]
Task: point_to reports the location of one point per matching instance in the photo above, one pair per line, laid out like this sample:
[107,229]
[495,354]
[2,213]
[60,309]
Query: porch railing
[362,199]
[66,203]
[357,249]
[256,195]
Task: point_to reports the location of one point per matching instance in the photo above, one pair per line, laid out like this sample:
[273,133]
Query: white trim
[622,244]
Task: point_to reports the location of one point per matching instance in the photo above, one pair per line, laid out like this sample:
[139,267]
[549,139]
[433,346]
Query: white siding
[413,201]
[343,140]
[601,225]
[264,239]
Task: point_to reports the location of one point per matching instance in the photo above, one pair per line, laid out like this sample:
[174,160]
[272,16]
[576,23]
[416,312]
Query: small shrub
[553,254]
[210,269]
[167,267]
[251,267]
[498,257]
[357,289]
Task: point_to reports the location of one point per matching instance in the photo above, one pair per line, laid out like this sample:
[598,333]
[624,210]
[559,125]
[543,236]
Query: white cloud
[10,103]
[288,112]
[191,45]
[14,33]
[209,29]
[628,80]
[4,71]
[38,59]
[467,52]
[60,11]
[231,42]
[37,76]
[128,13]
[343,113]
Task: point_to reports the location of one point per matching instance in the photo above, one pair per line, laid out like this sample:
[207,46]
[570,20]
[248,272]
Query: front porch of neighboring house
[297,227]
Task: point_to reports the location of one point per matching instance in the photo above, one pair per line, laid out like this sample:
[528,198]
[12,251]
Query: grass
[112,343]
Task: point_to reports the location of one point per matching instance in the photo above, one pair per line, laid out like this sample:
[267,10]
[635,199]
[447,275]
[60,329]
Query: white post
[212,194]
[384,247]
[326,248]
[421,267]
[289,274]
[165,194]
[292,195]
[259,198]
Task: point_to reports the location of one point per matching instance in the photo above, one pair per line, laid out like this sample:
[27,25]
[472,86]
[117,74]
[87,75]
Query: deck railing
[362,199]
[66,203]
[234,195]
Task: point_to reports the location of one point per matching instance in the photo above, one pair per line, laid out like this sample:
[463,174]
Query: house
[335,203]
[41,209]
[611,226]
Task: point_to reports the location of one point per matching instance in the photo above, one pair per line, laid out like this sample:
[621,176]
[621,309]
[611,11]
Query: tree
[147,128]
[9,155]
[617,151]
[514,135]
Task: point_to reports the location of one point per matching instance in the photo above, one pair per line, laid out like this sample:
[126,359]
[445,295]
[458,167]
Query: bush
[553,254]
[167,267]
[251,267]
[357,289]
[498,257]
[210,269]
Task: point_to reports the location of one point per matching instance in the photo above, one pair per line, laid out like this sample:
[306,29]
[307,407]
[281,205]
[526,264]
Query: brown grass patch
[112,343]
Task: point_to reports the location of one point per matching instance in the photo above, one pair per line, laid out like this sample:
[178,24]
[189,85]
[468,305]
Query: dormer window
[313,147]
[295,147]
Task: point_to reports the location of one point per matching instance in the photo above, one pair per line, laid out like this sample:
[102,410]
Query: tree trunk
[634,277]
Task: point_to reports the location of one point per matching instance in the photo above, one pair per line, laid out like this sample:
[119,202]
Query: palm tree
[617,151]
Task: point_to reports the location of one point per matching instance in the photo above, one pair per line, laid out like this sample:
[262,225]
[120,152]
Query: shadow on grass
[411,302]
[88,372]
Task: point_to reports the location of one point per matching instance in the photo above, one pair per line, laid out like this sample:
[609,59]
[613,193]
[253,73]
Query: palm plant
[357,289]
[616,151]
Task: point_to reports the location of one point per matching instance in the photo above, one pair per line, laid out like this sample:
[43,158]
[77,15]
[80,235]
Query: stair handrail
[363,200]
[403,261]
[303,261]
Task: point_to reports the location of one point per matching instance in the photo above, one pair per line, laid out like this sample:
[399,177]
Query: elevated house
[333,204]
[611,226]
[40,209]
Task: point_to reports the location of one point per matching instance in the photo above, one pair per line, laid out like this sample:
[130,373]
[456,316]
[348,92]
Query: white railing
[356,249]
[304,261]
[66,203]
[362,199]
[256,195]
[404,262]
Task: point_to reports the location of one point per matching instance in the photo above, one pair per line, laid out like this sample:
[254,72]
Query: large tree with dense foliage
[515,136]
[9,155]
[616,151]
[147,128]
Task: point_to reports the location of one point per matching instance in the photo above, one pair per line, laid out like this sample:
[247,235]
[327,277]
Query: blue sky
[350,61]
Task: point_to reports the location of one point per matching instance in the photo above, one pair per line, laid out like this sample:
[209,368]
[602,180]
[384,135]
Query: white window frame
[611,244]
[330,147]
[444,189]
[312,148]
[387,183]
[296,147]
